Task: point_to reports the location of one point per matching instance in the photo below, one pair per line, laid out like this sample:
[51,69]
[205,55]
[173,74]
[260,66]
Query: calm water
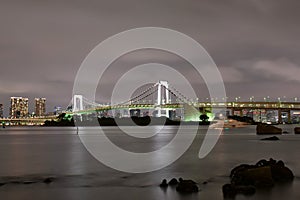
[34,153]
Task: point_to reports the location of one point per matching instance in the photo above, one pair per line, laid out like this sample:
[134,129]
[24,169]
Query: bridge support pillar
[77,103]
[163,92]
[279,116]
[289,116]
[241,113]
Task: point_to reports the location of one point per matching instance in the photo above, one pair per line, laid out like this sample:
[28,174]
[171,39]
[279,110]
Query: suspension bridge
[164,100]
[157,100]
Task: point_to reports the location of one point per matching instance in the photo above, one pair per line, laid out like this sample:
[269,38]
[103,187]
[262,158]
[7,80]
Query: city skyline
[42,46]
[24,106]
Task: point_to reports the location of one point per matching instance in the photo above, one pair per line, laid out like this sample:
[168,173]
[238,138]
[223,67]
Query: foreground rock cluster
[245,179]
[265,129]
[182,186]
[297,130]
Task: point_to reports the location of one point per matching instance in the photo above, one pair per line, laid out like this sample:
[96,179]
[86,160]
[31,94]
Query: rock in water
[187,186]
[229,191]
[173,181]
[48,180]
[297,130]
[164,183]
[246,178]
[281,173]
[265,129]
[258,176]
[273,138]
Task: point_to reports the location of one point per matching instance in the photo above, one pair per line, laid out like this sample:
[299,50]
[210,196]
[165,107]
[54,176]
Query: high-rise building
[40,106]
[1,110]
[18,107]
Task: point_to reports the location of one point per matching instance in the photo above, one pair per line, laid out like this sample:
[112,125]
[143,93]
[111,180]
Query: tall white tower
[77,103]
[160,94]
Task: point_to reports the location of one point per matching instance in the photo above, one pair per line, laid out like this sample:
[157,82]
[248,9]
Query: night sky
[255,43]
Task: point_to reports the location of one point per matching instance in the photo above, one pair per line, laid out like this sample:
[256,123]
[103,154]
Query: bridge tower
[77,103]
[162,92]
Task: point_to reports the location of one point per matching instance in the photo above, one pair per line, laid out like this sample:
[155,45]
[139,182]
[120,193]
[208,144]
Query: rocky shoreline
[246,179]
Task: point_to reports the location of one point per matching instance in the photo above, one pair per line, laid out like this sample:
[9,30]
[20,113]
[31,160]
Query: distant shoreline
[132,121]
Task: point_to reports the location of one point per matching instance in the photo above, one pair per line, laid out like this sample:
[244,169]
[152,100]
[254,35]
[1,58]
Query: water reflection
[59,152]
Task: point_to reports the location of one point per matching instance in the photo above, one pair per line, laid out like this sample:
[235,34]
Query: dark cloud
[42,43]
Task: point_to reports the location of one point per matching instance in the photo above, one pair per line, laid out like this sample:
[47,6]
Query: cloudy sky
[255,43]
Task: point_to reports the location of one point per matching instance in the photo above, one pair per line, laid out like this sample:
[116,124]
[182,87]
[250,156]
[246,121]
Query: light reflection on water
[38,152]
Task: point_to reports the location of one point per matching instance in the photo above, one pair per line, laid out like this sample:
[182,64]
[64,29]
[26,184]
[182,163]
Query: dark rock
[281,173]
[173,181]
[164,183]
[229,191]
[262,162]
[272,161]
[187,186]
[297,130]
[280,163]
[265,129]
[261,175]
[239,169]
[285,132]
[273,138]
[48,180]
